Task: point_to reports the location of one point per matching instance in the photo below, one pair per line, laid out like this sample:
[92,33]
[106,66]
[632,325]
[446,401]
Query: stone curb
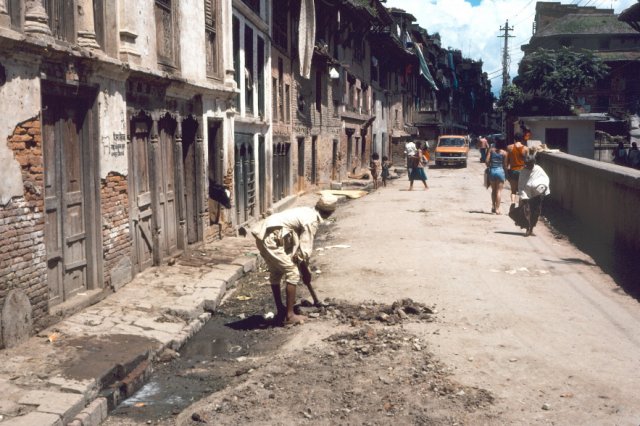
[62,402]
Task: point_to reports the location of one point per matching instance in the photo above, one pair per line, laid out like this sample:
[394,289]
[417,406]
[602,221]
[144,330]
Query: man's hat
[327,203]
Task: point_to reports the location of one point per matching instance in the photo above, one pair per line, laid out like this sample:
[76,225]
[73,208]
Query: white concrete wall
[581,134]
[145,27]
[21,101]
[112,116]
[193,57]
[379,126]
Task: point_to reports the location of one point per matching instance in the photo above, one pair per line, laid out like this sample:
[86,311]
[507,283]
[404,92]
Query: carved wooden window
[287,103]
[211,30]
[281,99]
[260,76]
[274,99]
[165,33]
[280,25]
[61,19]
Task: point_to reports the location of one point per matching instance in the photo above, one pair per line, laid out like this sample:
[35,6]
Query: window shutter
[209,14]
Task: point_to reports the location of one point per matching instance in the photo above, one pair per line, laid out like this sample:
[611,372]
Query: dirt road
[533,320]
[503,329]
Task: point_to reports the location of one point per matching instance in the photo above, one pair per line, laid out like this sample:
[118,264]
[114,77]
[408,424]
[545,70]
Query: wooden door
[141,207]
[65,139]
[244,174]
[189,128]
[167,220]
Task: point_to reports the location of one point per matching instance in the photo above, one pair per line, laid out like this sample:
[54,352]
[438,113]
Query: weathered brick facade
[115,222]
[23,263]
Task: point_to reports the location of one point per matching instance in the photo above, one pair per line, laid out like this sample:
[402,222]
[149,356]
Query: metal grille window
[165,42]
[61,19]
[210,21]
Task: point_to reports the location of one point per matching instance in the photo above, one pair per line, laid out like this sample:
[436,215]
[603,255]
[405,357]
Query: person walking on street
[417,163]
[410,151]
[285,241]
[634,156]
[386,165]
[483,147]
[515,160]
[533,186]
[496,163]
[620,156]
[375,167]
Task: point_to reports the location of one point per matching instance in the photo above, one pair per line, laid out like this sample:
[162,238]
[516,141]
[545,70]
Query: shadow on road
[254,322]
[616,260]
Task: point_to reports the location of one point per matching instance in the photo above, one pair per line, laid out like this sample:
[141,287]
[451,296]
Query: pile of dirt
[369,312]
[372,375]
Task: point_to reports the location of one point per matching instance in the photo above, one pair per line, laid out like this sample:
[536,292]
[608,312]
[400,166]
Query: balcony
[426,118]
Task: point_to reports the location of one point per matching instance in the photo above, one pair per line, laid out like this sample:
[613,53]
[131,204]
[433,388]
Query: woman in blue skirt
[417,164]
[497,164]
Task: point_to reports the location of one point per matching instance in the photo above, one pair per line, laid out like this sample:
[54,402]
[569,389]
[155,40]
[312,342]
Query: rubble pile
[369,312]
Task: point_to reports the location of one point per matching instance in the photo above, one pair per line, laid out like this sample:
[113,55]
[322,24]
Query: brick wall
[116,236]
[22,250]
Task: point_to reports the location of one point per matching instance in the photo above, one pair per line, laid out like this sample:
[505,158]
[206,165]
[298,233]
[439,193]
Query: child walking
[386,165]
[375,168]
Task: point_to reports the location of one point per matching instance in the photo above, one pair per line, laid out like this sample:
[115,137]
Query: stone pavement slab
[74,371]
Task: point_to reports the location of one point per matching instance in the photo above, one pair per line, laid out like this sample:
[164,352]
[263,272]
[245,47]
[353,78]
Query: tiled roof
[612,55]
[631,14]
[585,24]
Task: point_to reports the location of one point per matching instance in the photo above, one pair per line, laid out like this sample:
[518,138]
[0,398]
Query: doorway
[190,178]
[70,198]
[557,139]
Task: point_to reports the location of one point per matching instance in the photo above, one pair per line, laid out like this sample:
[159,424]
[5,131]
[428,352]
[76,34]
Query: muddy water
[217,354]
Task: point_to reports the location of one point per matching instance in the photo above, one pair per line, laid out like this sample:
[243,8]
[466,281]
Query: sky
[473,26]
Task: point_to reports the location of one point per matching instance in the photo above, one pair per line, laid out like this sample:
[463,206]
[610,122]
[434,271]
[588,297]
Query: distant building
[598,30]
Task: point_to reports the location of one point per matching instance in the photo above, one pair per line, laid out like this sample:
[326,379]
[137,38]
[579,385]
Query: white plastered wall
[21,102]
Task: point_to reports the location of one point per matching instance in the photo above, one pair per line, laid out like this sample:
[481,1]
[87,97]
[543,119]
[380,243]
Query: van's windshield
[451,142]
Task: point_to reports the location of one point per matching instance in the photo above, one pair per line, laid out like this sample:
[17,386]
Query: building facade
[120,121]
[108,112]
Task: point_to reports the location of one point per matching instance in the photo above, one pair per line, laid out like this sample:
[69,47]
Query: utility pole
[505,53]
[505,66]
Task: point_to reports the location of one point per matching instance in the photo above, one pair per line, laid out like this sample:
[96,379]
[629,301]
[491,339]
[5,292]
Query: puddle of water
[206,364]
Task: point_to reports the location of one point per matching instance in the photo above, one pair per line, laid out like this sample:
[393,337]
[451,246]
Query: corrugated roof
[585,24]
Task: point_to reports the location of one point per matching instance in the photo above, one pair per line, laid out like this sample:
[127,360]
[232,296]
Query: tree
[558,75]
[511,99]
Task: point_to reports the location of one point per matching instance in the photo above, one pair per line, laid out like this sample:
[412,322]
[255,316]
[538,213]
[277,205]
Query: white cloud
[475,29]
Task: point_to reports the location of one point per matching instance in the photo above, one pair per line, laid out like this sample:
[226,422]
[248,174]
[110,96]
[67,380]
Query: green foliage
[558,75]
[511,98]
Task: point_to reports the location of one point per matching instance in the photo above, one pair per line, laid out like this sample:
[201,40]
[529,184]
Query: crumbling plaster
[112,117]
[21,93]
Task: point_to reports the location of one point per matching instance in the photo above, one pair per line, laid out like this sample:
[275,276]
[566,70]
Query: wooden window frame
[62,19]
[172,61]
[212,40]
